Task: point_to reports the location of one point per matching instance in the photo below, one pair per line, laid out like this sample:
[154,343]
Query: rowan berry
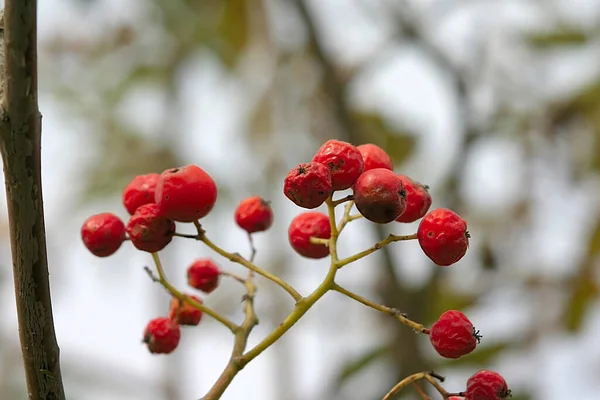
[443,236]
[162,335]
[185,194]
[307,225]
[418,200]
[453,335]
[308,185]
[254,214]
[455,398]
[140,191]
[149,229]
[203,274]
[103,234]
[344,161]
[374,157]
[487,385]
[185,313]
[379,195]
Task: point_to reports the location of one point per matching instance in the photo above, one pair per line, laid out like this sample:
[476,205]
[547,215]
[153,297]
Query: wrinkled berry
[308,185]
[162,335]
[184,313]
[203,274]
[453,335]
[418,200]
[443,236]
[344,161]
[149,229]
[307,225]
[379,195]
[139,191]
[185,194]
[254,214]
[103,234]
[487,385]
[374,157]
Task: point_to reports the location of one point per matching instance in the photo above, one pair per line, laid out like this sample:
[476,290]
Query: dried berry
[140,191]
[379,195]
[162,335]
[453,335]
[344,162]
[374,157]
[185,313]
[254,214]
[203,274]
[308,185]
[149,229]
[487,385]
[307,225]
[418,200]
[103,234]
[443,236]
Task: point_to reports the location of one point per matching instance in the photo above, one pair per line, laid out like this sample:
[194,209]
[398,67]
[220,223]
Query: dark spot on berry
[166,197]
[321,192]
[430,234]
[402,192]
[173,170]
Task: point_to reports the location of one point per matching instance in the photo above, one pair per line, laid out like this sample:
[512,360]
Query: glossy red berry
[254,214]
[203,274]
[379,195]
[453,335]
[308,185]
[443,236]
[162,335]
[418,200]
[344,161]
[149,229]
[103,234]
[186,194]
[307,225]
[139,191]
[375,157]
[487,385]
[185,313]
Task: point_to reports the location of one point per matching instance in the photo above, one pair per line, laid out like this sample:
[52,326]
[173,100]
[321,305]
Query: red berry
[186,194]
[443,236]
[308,185]
[344,162]
[379,195]
[374,157]
[149,229]
[254,214]
[103,234]
[487,385]
[203,275]
[418,200]
[184,313]
[455,398]
[162,335]
[453,335]
[139,191]
[307,225]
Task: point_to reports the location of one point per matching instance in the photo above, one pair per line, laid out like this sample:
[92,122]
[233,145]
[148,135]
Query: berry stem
[252,247]
[316,240]
[236,258]
[334,231]
[234,276]
[162,279]
[377,246]
[337,202]
[428,376]
[346,217]
[386,310]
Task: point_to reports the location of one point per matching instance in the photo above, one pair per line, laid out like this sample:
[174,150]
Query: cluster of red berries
[380,195]
[155,203]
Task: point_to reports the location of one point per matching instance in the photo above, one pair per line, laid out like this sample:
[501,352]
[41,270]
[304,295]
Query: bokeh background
[494,104]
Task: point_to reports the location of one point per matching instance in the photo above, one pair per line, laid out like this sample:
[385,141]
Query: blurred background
[494,104]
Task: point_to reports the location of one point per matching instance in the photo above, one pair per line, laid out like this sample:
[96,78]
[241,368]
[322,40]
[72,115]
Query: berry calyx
[162,335]
[379,195]
[343,160]
[453,335]
[149,229]
[374,157]
[183,313]
[254,214]
[308,185]
[418,200]
[443,236]
[185,194]
[203,274]
[140,191]
[307,225]
[103,234]
[487,385]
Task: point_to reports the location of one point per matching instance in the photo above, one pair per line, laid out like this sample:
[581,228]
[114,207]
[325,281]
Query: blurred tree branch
[20,145]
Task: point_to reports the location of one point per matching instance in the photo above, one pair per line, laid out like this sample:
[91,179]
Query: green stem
[162,279]
[377,246]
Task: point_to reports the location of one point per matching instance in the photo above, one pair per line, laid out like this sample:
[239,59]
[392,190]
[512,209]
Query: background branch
[20,145]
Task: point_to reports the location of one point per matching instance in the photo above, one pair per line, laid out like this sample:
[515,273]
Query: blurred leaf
[583,294]
[374,129]
[232,31]
[446,299]
[563,36]
[482,356]
[359,364]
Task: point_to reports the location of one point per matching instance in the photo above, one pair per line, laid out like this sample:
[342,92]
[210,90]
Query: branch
[20,146]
